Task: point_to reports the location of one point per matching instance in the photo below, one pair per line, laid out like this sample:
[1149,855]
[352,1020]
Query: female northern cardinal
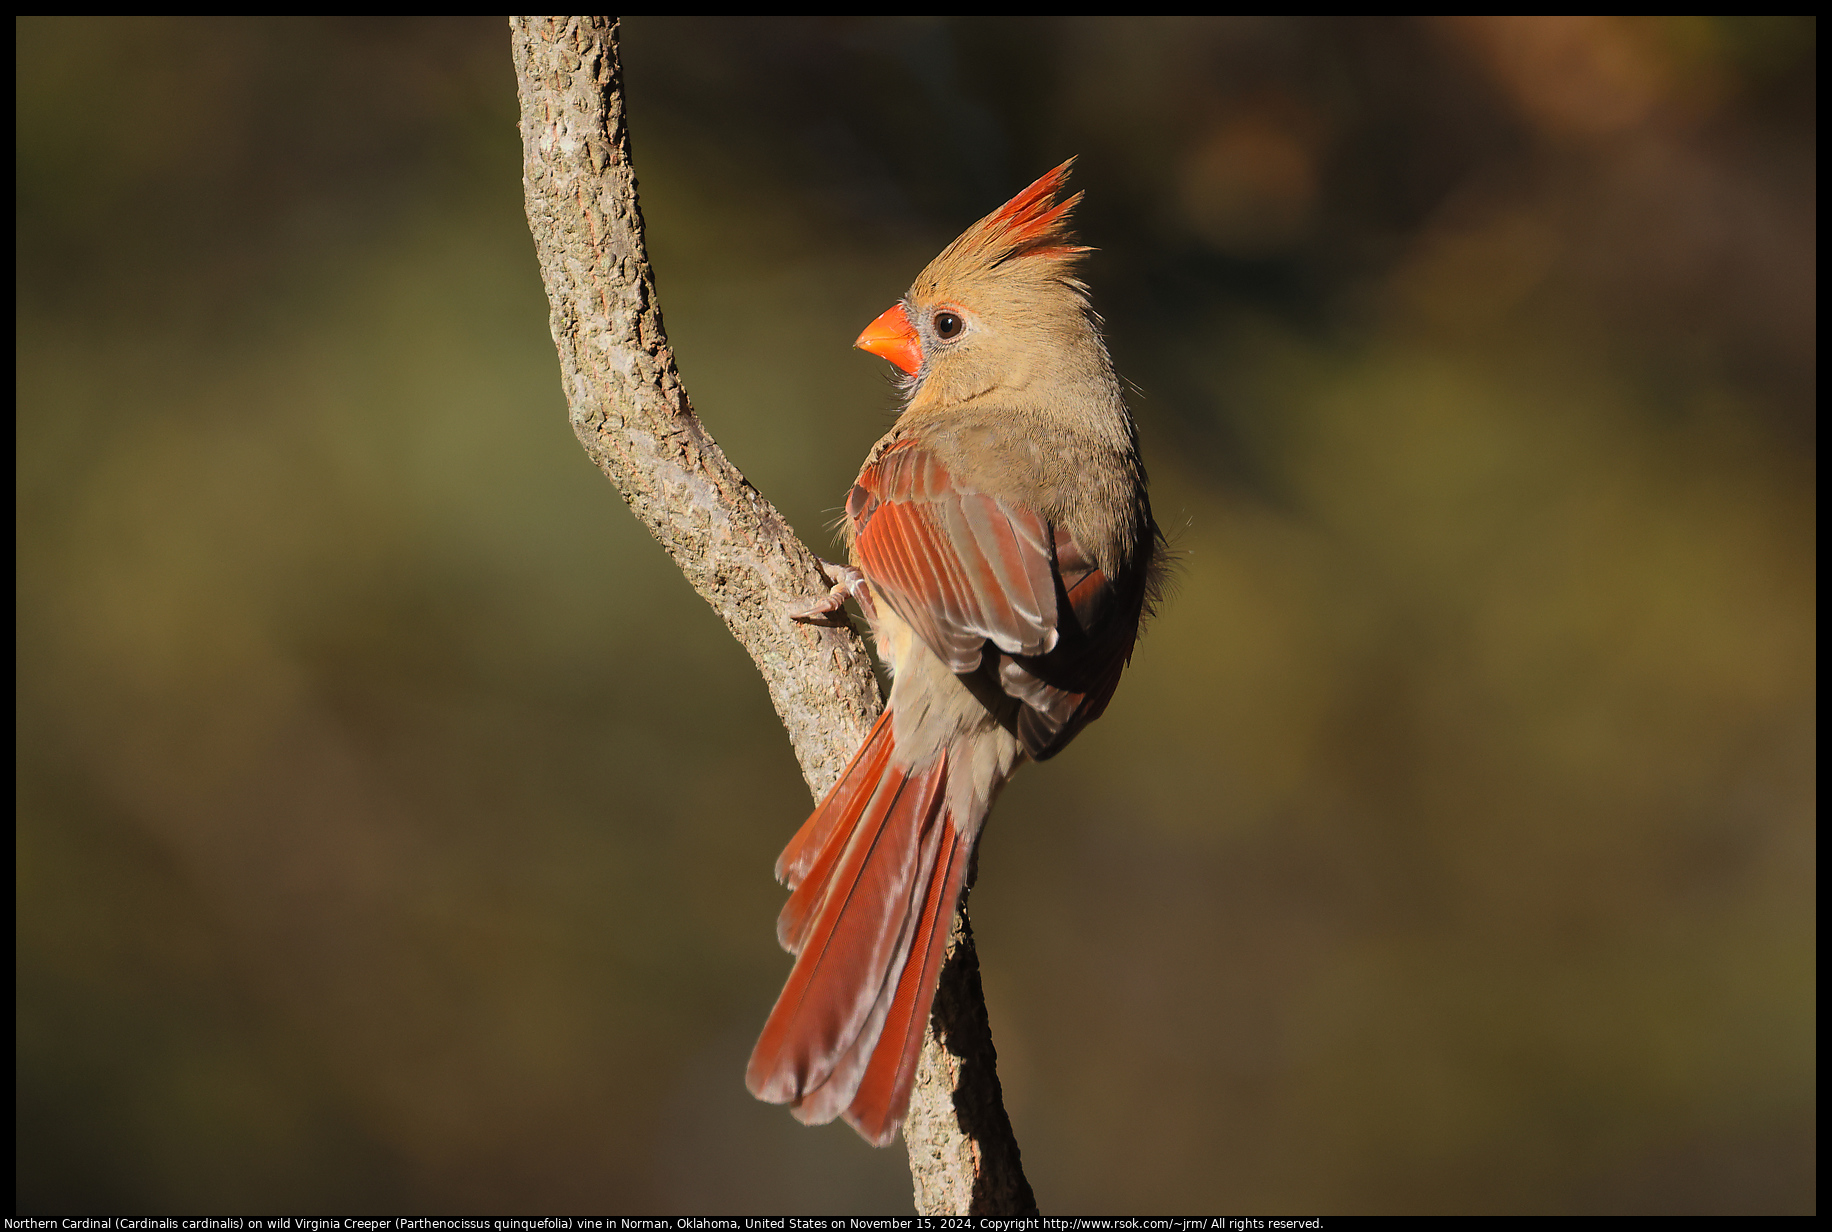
[1005,554]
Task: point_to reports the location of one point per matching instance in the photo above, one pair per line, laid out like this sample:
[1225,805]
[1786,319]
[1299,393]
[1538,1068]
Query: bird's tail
[875,874]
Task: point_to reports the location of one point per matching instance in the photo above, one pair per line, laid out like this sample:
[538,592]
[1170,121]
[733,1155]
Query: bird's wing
[967,568]
[962,567]
[1068,688]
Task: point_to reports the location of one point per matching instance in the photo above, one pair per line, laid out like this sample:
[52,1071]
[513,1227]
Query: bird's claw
[850,585]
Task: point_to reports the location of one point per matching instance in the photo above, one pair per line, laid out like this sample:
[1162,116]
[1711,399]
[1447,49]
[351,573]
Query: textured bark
[631,413]
[963,1154]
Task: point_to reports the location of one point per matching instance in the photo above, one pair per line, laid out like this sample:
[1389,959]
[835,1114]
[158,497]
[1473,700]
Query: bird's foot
[848,583]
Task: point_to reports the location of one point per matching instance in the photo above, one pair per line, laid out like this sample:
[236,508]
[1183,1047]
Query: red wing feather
[1082,581]
[1068,688]
[962,567]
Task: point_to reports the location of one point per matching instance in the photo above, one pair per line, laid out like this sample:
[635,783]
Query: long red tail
[875,873]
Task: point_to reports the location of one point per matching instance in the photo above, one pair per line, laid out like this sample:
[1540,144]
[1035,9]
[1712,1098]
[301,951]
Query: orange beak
[893,337]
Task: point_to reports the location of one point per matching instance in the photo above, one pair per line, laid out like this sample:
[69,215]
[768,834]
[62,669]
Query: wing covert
[963,567]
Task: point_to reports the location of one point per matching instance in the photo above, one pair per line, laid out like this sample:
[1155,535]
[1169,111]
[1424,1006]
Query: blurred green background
[395,826]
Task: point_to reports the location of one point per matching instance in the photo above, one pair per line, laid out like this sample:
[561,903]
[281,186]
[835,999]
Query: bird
[1004,555]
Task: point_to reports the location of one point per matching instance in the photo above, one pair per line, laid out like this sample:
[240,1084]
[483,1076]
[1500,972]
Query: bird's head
[997,308]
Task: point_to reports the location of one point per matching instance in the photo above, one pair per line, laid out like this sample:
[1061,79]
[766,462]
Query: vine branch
[631,413]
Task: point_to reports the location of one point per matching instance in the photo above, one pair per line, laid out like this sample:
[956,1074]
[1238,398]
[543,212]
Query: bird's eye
[947,325]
